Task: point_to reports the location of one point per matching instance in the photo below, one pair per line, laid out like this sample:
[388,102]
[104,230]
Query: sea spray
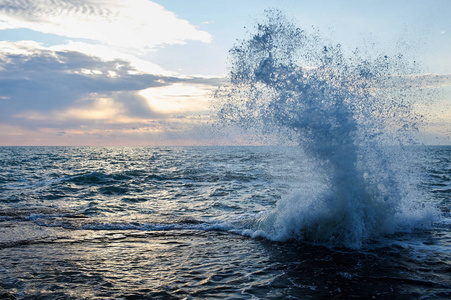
[342,111]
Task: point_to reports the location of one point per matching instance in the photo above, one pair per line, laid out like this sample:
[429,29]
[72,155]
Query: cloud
[177,98]
[71,94]
[107,53]
[437,80]
[41,79]
[416,82]
[137,24]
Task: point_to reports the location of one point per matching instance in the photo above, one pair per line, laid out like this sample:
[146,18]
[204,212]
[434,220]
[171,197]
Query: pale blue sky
[141,72]
[425,25]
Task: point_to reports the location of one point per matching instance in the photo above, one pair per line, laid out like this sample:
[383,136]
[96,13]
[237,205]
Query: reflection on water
[163,223]
[218,265]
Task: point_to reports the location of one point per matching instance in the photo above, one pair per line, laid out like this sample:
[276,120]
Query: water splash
[339,109]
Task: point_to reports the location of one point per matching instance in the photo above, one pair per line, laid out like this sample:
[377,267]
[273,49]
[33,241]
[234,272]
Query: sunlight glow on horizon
[127,70]
[177,98]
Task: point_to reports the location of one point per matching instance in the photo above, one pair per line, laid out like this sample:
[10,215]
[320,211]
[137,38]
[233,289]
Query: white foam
[340,111]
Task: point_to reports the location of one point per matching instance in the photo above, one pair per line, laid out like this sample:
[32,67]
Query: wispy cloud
[138,24]
[423,81]
[108,53]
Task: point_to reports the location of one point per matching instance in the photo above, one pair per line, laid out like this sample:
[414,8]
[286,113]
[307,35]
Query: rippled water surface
[175,223]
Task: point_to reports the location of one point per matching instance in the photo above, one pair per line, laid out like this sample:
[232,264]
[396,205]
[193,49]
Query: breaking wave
[349,116]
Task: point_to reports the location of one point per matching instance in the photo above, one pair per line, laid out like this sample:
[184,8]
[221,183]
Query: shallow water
[173,223]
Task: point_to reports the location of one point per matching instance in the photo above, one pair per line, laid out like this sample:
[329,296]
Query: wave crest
[341,111]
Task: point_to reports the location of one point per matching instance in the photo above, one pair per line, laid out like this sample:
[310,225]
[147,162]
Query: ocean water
[350,207]
[350,115]
[185,223]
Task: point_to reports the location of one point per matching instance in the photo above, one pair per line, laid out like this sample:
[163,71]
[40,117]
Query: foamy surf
[342,112]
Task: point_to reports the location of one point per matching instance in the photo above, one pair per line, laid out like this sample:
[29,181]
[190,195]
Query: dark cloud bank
[47,81]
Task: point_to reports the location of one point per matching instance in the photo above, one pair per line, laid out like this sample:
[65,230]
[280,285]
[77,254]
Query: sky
[139,72]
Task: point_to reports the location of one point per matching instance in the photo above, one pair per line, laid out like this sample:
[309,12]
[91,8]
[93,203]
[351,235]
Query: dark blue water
[175,223]
[349,210]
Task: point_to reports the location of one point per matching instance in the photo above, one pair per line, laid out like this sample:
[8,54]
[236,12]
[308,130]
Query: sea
[185,223]
[349,205]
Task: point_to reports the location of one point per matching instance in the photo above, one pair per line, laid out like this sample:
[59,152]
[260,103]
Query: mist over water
[349,116]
